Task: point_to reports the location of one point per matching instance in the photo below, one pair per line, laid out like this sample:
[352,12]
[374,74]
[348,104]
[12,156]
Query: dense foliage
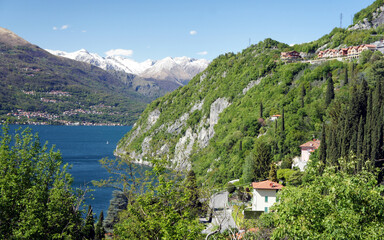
[36,200]
[340,203]
[162,204]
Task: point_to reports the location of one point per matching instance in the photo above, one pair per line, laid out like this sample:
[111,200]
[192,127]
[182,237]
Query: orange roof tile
[315,143]
[267,184]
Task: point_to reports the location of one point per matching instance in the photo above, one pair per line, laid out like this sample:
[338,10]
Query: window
[266,209]
[266,198]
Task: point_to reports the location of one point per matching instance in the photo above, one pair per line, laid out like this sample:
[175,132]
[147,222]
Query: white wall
[258,200]
[305,155]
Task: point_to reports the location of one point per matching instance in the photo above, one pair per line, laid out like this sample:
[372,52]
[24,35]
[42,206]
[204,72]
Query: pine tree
[330,94]
[261,109]
[89,227]
[99,231]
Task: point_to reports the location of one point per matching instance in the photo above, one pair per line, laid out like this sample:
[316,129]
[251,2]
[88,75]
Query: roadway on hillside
[222,213]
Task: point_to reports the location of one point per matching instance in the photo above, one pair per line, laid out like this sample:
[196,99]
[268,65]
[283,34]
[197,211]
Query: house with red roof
[264,195]
[275,117]
[306,150]
[291,55]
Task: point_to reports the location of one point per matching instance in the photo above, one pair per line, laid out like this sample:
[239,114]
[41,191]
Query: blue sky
[160,28]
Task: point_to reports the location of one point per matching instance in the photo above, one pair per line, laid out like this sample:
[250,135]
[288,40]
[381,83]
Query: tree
[37,201]
[261,109]
[163,211]
[302,95]
[273,173]
[194,203]
[117,204]
[257,162]
[89,227]
[323,147]
[99,231]
[346,76]
[329,95]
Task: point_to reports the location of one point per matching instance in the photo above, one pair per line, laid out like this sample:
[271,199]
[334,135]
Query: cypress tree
[282,122]
[367,129]
[89,227]
[323,146]
[281,143]
[346,76]
[360,142]
[302,95]
[273,173]
[330,94]
[99,231]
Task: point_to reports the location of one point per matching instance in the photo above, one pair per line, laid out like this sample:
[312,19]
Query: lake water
[83,147]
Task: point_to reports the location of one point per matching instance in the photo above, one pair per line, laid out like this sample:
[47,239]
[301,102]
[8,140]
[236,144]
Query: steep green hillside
[219,124]
[51,89]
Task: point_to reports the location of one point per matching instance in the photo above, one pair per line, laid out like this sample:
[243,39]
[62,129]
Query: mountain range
[36,86]
[151,77]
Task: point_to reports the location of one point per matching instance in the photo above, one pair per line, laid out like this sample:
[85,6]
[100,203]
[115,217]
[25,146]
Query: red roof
[267,185]
[314,144]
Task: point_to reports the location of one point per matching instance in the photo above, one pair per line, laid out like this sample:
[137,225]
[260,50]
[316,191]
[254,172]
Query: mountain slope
[151,78]
[220,121]
[43,86]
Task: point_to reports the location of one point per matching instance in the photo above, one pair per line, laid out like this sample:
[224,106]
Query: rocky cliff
[373,20]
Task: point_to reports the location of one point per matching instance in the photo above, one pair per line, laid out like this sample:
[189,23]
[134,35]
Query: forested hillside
[36,86]
[219,124]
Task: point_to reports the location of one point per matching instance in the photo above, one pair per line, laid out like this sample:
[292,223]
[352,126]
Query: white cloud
[119,52]
[193,32]
[202,53]
[84,31]
[64,27]
[54,28]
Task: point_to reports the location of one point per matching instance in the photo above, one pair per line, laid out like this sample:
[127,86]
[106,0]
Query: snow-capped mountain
[179,69]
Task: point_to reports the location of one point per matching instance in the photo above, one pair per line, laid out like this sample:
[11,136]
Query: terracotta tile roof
[267,184]
[315,144]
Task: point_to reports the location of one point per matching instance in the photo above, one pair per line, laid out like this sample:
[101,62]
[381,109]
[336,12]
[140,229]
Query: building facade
[264,195]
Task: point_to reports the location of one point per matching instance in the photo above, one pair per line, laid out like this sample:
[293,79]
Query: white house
[264,195]
[275,117]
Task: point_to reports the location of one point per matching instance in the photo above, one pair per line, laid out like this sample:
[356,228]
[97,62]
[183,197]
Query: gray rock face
[216,108]
[365,24]
[194,137]
[251,85]
[377,20]
[177,126]
[152,118]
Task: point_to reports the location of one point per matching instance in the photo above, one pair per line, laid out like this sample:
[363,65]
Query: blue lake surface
[83,147]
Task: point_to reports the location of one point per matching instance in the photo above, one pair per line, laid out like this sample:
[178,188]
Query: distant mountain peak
[179,69]
[9,38]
